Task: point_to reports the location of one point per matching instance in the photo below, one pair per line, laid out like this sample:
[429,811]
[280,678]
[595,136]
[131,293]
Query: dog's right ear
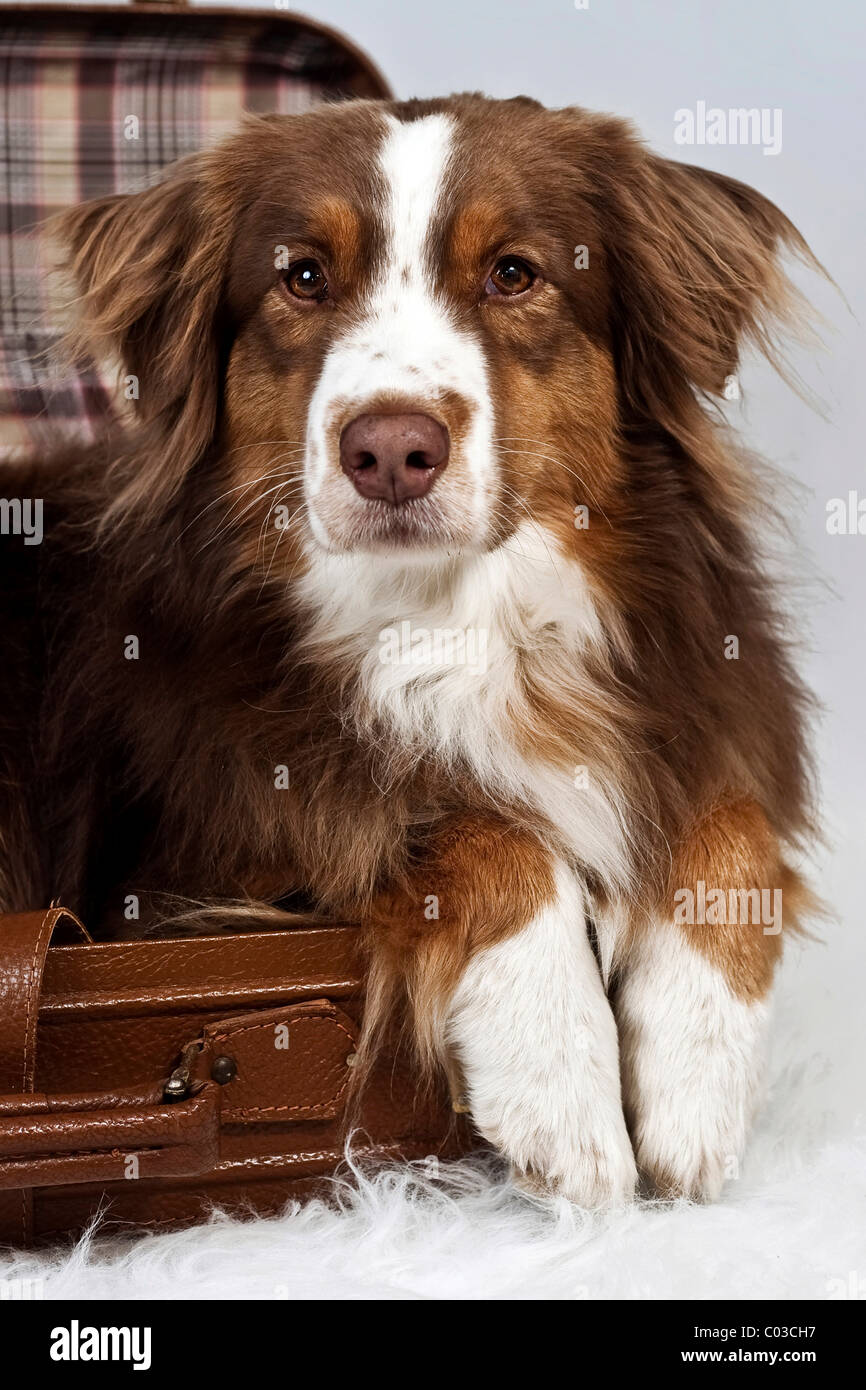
[149,269]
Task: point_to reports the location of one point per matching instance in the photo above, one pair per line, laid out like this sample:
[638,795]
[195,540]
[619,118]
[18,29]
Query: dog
[424,589]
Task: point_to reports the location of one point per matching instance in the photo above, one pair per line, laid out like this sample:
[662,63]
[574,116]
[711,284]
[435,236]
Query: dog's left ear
[149,271]
[695,272]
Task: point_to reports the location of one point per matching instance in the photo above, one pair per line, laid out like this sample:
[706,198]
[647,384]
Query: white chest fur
[443,651]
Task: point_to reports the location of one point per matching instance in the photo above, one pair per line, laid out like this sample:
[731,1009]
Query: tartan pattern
[67,86]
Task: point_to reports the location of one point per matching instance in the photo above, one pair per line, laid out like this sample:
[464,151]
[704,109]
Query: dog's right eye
[512,276]
[306,280]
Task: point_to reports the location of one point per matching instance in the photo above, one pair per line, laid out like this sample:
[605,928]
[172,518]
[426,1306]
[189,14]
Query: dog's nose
[393,457]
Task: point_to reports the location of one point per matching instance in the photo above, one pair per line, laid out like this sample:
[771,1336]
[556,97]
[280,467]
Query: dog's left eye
[510,275]
[306,280]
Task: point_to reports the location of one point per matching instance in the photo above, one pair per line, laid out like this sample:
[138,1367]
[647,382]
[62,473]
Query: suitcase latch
[178,1084]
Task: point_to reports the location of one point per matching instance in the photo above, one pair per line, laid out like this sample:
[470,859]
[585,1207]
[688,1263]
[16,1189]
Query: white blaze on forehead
[413,162]
[406,341]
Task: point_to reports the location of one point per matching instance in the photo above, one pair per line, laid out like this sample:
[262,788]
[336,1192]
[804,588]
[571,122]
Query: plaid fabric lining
[96,104]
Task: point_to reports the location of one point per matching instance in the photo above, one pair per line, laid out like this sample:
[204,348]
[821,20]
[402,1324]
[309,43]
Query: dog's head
[418,324]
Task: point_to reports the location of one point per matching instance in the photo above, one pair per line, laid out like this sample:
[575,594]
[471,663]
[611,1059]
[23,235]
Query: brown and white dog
[422,589]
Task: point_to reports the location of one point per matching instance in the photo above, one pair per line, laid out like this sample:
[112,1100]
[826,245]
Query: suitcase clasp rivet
[224,1069]
[178,1084]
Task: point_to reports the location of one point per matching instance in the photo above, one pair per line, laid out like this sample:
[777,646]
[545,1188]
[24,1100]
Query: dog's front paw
[589,1163]
[592,1178]
[677,1163]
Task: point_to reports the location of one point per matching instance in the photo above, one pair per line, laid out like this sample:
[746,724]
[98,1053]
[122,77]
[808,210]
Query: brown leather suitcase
[151,1080]
[148,1080]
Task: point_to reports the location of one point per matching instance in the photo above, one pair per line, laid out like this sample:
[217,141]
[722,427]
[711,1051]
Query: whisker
[240,487]
[551,458]
[283,530]
[292,491]
[232,523]
[297,444]
[278,500]
[540,529]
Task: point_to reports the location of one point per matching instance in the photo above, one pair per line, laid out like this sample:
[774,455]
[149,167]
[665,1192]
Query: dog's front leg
[535,1037]
[504,984]
[693,1002]
[692,1065]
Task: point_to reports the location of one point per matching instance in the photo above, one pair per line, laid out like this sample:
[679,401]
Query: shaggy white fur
[793,1225]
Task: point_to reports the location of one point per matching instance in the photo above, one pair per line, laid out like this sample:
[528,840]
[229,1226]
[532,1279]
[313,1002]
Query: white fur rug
[792,1226]
[788,1230]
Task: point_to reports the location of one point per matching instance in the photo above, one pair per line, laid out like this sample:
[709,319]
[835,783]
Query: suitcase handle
[48,1141]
